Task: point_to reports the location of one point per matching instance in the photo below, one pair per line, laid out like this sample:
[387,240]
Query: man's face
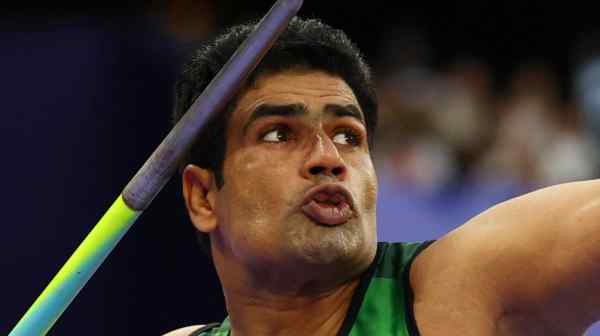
[300,188]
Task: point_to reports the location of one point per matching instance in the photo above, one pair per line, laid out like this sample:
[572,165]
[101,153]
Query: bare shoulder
[451,283]
[462,273]
[186,331]
[513,257]
[513,238]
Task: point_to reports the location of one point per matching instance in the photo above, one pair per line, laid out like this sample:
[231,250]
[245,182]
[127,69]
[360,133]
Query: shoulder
[466,272]
[510,241]
[513,256]
[471,259]
[186,331]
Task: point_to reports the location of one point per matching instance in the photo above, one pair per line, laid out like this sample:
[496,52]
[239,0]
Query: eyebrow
[267,110]
[294,110]
[349,110]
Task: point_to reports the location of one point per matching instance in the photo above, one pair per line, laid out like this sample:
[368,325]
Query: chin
[344,244]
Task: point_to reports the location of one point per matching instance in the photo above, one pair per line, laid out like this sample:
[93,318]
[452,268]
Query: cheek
[253,191]
[370,194]
[257,200]
[368,184]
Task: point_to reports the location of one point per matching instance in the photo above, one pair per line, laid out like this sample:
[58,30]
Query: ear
[199,194]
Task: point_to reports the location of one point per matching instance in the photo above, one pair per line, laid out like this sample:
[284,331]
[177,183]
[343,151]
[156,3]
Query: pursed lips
[328,204]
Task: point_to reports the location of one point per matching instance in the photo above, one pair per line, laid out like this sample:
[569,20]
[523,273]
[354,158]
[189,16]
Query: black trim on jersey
[204,328]
[411,323]
[360,291]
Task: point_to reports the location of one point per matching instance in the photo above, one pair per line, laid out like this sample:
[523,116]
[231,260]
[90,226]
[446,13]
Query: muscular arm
[536,258]
[557,231]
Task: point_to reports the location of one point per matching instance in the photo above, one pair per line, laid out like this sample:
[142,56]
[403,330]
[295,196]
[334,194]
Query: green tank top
[382,302]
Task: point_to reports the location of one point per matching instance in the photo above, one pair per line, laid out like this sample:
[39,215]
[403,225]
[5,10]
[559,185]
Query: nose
[324,160]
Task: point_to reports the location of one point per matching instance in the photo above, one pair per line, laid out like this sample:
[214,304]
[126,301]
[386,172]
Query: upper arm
[186,331]
[536,255]
[554,236]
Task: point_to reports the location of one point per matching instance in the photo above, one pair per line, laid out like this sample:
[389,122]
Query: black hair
[309,44]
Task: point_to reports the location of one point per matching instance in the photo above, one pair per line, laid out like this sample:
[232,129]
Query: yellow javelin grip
[154,174]
[78,269]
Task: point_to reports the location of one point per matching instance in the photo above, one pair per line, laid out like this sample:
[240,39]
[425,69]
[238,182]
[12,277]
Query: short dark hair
[309,44]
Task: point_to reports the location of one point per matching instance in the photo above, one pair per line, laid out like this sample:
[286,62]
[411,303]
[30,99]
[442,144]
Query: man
[282,188]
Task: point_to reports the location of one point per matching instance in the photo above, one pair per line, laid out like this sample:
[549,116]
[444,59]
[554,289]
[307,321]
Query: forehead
[313,89]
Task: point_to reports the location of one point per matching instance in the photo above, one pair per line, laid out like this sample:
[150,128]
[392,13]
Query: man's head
[285,169]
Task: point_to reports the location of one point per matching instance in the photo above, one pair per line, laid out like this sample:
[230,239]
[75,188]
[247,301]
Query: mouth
[328,204]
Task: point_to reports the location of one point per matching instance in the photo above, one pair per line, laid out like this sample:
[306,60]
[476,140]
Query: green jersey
[382,302]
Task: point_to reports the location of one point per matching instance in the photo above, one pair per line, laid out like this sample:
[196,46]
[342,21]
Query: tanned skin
[283,273]
[528,266]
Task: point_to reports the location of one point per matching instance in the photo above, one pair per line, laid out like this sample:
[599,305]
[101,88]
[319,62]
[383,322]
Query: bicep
[541,252]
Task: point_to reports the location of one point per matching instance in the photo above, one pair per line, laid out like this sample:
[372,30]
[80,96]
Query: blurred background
[479,103]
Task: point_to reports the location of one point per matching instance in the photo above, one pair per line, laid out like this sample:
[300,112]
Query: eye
[347,137]
[278,134]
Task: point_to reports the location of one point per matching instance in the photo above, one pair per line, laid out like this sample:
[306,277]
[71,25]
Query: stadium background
[479,102]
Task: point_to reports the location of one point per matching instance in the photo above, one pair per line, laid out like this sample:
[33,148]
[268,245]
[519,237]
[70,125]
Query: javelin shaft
[153,175]
[74,274]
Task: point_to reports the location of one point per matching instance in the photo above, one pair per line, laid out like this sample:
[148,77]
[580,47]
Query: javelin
[154,174]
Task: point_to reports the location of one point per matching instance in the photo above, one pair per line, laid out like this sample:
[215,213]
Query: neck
[264,313]
[269,296]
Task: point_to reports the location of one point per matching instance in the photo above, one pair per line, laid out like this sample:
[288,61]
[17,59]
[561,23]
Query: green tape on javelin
[77,270]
